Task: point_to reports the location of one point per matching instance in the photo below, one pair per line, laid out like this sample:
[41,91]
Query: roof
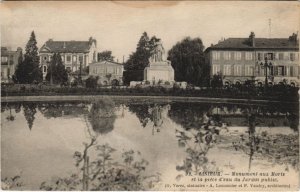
[6,51]
[67,46]
[260,43]
[106,63]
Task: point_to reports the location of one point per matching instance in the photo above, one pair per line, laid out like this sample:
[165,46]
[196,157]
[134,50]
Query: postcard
[150,95]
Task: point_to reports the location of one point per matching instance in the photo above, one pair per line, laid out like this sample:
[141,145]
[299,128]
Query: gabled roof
[106,63]
[67,46]
[260,43]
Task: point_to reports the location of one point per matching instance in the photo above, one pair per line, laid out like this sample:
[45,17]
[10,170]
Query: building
[241,59]
[9,62]
[73,53]
[108,72]
[159,68]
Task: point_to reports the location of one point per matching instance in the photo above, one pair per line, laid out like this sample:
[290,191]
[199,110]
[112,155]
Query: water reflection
[200,137]
[102,116]
[197,143]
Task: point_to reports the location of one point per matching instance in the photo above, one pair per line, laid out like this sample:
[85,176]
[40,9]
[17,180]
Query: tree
[187,58]
[139,59]
[105,56]
[56,72]
[29,71]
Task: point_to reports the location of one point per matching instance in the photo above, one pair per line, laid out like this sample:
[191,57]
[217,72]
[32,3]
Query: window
[216,69]
[292,56]
[74,58]
[280,70]
[270,56]
[259,56]
[249,70]
[291,71]
[226,55]
[68,58]
[237,55]
[280,56]
[216,55]
[4,59]
[80,58]
[238,70]
[45,58]
[248,56]
[227,70]
[44,69]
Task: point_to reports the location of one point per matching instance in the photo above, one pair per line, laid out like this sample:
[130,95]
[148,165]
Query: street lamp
[266,65]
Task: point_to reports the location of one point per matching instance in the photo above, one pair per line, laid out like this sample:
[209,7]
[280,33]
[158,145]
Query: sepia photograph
[150,95]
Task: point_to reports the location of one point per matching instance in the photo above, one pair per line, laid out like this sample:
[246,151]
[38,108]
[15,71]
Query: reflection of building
[9,62]
[109,72]
[159,68]
[238,59]
[73,53]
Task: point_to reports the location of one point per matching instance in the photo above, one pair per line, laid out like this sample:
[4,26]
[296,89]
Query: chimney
[64,44]
[293,38]
[252,39]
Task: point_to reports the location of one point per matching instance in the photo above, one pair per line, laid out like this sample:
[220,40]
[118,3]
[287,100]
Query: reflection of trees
[104,173]
[141,111]
[59,109]
[188,115]
[102,115]
[198,142]
[29,113]
[280,149]
[151,114]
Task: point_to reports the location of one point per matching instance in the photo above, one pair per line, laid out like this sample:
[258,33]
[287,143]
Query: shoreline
[7,99]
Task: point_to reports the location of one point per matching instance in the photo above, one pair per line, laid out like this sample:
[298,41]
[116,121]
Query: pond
[43,143]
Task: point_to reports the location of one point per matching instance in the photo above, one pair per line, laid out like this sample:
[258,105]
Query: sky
[117,26]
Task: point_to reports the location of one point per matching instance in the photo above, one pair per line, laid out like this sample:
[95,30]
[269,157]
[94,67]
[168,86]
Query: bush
[167,83]
[91,82]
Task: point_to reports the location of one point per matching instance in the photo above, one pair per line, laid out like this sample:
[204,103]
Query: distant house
[240,59]
[73,53]
[9,62]
[108,72]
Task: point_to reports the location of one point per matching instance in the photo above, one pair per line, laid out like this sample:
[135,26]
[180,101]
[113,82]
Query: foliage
[197,146]
[11,183]
[102,115]
[279,149]
[140,58]
[216,81]
[187,59]
[91,82]
[106,174]
[28,71]
[56,71]
[105,56]
[29,113]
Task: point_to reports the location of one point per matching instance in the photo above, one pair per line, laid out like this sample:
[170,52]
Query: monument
[159,69]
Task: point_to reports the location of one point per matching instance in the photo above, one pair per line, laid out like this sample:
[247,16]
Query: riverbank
[133,98]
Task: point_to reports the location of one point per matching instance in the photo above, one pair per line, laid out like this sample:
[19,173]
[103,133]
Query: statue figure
[157,53]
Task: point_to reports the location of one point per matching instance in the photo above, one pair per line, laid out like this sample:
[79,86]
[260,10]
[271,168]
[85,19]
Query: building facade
[108,72]
[9,62]
[73,53]
[241,59]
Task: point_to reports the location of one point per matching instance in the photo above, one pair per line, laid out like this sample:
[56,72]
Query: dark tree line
[139,59]
[188,61]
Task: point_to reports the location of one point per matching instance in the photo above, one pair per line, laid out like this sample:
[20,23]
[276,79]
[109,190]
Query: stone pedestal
[159,68]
